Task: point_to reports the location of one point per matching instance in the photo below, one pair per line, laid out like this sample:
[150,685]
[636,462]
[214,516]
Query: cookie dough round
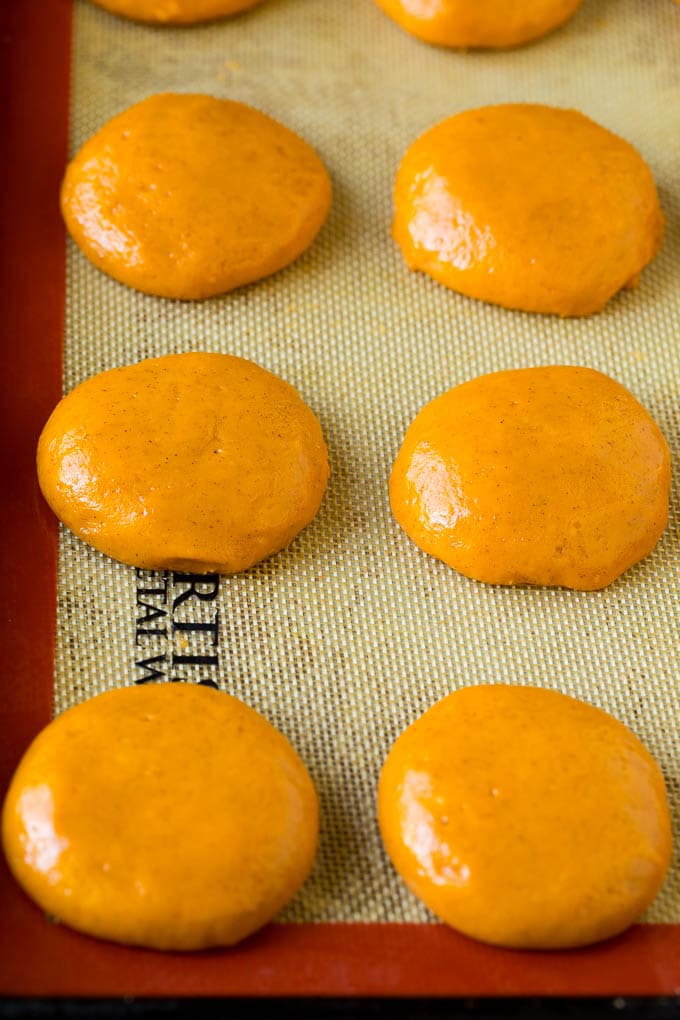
[483,23]
[525,818]
[548,476]
[187,196]
[198,462]
[176,12]
[529,207]
[170,816]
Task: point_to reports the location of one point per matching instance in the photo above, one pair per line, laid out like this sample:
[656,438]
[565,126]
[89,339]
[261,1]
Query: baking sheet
[347,636]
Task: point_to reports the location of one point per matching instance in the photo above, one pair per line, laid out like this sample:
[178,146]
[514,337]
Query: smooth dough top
[529,207]
[525,818]
[548,476]
[482,23]
[196,461]
[175,12]
[188,196]
[171,816]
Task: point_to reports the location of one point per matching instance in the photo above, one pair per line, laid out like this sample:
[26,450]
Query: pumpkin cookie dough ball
[528,207]
[170,816]
[525,818]
[549,476]
[199,462]
[175,12]
[187,196]
[484,23]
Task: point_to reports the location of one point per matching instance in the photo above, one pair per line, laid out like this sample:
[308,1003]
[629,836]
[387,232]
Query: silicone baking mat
[347,636]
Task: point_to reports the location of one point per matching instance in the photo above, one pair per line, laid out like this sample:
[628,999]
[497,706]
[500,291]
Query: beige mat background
[346,637]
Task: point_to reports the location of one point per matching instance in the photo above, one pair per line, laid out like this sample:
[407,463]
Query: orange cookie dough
[187,196]
[175,12]
[525,818]
[549,476]
[199,462]
[529,207]
[170,816]
[482,23]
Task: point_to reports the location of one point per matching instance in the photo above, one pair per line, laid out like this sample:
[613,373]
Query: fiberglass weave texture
[347,636]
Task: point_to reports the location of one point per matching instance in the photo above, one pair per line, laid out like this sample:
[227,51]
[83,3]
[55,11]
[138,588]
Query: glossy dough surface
[529,207]
[170,816]
[175,12]
[187,196]
[483,23]
[548,476]
[525,818]
[200,462]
